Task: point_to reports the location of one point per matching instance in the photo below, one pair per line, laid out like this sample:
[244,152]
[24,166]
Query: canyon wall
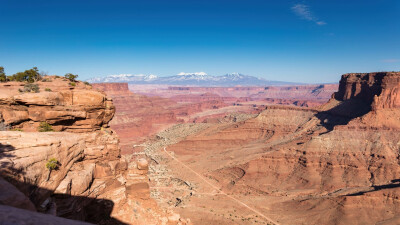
[152,108]
[365,86]
[137,116]
[377,94]
[336,164]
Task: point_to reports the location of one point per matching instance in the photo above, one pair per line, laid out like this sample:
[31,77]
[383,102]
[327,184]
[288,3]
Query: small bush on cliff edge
[3,77]
[45,127]
[71,77]
[30,88]
[29,76]
[52,164]
[16,129]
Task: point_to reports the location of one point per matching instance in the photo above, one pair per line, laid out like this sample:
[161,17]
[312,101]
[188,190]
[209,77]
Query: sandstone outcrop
[365,86]
[377,96]
[89,180]
[73,109]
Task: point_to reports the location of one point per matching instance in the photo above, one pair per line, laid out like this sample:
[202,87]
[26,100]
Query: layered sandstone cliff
[67,108]
[90,181]
[377,96]
[365,86]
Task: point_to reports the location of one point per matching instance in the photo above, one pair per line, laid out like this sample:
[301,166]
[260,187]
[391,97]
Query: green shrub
[52,164]
[45,127]
[32,88]
[72,84]
[87,83]
[47,89]
[71,77]
[30,76]
[16,129]
[3,77]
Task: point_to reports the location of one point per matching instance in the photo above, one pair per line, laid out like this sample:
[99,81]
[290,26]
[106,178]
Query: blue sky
[304,41]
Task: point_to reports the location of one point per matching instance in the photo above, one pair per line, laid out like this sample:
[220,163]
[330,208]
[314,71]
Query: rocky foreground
[74,169]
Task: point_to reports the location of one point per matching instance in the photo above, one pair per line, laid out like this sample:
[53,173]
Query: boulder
[142,164]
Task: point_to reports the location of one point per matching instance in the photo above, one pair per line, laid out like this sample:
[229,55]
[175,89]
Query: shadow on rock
[16,188]
[343,113]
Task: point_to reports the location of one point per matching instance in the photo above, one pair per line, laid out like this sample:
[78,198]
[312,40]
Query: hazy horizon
[294,41]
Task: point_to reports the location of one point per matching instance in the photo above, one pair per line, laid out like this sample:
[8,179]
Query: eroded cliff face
[338,164]
[66,108]
[137,116]
[91,182]
[365,86]
[389,98]
[376,95]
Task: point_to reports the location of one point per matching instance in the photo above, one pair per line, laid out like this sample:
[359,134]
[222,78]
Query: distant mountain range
[191,79]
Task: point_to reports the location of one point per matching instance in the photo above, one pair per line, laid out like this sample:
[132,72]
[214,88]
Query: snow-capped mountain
[190,79]
[123,78]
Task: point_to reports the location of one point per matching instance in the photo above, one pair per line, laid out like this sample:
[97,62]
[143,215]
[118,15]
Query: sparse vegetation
[45,127]
[87,83]
[30,88]
[16,129]
[29,76]
[47,89]
[43,74]
[3,77]
[72,84]
[52,164]
[46,80]
[71,77]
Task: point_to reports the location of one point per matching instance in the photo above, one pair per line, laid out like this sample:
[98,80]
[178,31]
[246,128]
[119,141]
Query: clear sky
[302,41]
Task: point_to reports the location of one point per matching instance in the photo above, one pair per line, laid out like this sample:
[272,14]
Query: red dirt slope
[338,164]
